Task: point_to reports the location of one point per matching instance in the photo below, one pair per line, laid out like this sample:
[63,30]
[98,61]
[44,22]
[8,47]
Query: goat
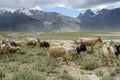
[14,49]
[91,42]
[108,52]
[32,42]
[4,48]
[7,48]
[58,51]
[43,44]
[80,48]
[65,51]
[117,50]
[70,48]
[4,41]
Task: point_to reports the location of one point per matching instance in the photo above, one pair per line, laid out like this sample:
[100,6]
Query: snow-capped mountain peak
[25,11]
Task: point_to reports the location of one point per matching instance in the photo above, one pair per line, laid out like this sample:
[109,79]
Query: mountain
[103,20]
[36,20]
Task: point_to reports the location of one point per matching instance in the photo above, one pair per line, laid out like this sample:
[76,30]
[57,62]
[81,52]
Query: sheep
[108,52]
[91,42]
[117,50]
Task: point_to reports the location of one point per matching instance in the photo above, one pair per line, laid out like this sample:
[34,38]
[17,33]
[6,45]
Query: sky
[67,7]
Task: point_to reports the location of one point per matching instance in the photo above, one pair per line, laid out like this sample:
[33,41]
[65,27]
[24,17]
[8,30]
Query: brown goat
[58,51]
[91,42]
[14,49]
[7,48]
[32,42]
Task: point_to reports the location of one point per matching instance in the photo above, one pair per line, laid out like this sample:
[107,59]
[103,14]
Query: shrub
[2,75]
[27,75]
[107,77]
[99,73]
[65,76]
[90,64]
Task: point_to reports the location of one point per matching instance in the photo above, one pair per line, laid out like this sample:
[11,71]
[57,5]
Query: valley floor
[32,63]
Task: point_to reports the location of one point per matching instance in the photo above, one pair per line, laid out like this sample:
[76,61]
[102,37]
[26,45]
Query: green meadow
[32,63]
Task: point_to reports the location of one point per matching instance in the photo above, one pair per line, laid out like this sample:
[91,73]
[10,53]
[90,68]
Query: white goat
[108,52]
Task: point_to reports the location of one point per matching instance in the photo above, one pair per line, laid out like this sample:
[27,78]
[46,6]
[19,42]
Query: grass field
[32,63]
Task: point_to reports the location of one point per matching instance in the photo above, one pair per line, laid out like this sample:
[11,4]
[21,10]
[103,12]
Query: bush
[65,76]
[2,74]
[27,75]
[107,77]
[99,73]
[90,64]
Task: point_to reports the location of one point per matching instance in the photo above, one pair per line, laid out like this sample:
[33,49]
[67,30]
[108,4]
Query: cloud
[89,3]
[36,8]
[75,4]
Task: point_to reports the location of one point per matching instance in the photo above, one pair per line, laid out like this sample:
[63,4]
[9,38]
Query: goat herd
[63,49]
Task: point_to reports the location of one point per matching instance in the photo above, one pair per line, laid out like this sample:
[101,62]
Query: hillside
[36,20]
[103,20]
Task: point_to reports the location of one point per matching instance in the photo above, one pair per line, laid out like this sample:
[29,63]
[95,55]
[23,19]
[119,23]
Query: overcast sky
[67,7]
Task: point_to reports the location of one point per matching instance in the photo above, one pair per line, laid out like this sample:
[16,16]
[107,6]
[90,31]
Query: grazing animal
[65,51]
[14,49]
[13,43]
[32,42]
[80,48]
[117,50]
[4,41]
[91,42]
[108,52]
[43,44]
[7,48]
[4,48]
[70,48]
[58,51]
[18,43]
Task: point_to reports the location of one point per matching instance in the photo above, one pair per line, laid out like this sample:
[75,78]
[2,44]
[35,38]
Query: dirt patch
[78,73]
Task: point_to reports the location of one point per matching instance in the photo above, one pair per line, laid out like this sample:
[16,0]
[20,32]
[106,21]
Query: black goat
[80,48]
[44,44]
[117,50]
